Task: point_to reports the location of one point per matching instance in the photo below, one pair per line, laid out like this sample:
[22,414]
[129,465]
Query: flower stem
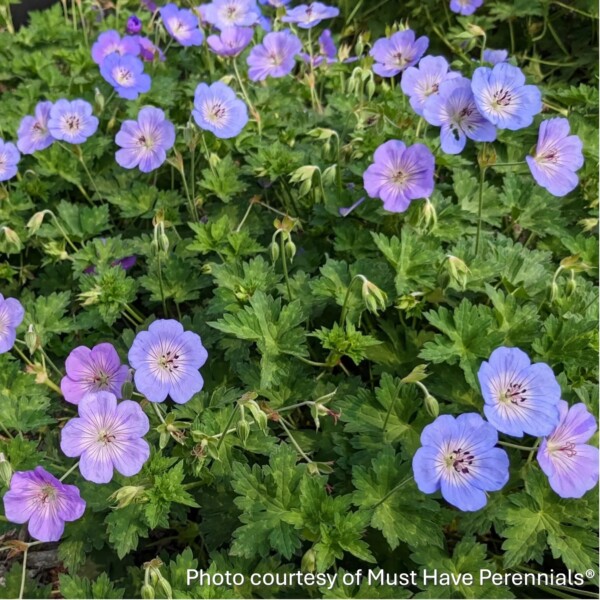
[393,491]
[67,473]
[347,297]
[251,106]
[516,446]
[160,285]
[508,164]
[192,206]
[226,430]
[285,268]
[294,442]
[482,171]
[239,227]
[158,413]
[24,573]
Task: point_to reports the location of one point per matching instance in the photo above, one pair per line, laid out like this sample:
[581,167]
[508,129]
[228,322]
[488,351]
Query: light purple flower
[133,25]
[72,121]
[217,109]
[503,98]
[327,50]
[454,110]
[458,456]
[126,75]
[495,57]
[570,464]
[93,370]
[9,159]
[232,13]
[307,16]
[11,316]
[33,131]
[275,57]
[167,359]
[520,397]
[144,143]
[148,51]
[150,5]
[182,24]
[400,174]
[231,41]
[38,497]
[395,54]
[107,436]
[465,7]
[557,157]
[419,83]
[109,42]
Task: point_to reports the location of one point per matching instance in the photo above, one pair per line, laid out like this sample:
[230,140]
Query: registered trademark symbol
[590,573]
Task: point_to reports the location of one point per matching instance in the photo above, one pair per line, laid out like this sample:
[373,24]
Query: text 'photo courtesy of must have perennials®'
[299,299]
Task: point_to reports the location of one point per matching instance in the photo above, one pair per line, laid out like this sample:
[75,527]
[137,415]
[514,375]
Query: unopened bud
[290,249]
[308,564]
[166,587]
[128,494]
[243,430]
[5,470]
[36,221]
[163,241]
[373,297]
[274,251]
[32,340]
[147,592]
[432,406]
[458,270]
[12,237]
[127,390]
[99,101]
[572,283]
[487,156]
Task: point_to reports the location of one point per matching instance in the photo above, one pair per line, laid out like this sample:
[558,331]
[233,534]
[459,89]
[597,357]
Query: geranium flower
[395,54]
[275,57]
[110,42]
[275,3]
[495,57]
[126,75]
[503,98]
[520,397]
[307,16]
[327,50]
[72,121]
[455,111]
[33,131]
[93,370]
[148,51]
[570,464]
[419,83]
[9,159]
[232,13]
[400,174]
[38,497]
[231,41]
[133,25]
[166,359]
[107,436]
[557,157]
[182,25]
[218,110]
[465,7]
[458,456]
[11,316]
[144,143]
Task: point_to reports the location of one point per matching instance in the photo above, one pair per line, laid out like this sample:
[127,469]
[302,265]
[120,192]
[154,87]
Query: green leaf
[346,341]
[72,586]
[223,180]
[125,526]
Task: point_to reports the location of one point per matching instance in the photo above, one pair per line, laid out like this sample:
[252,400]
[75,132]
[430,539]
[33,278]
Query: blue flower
[72,121]
[395,54]
[181,24]
[465,7]
[495,57]
[454,110]
[307,16]
[520,397]
[503,98]
[33,131]
[557,157]
[126,75]
[219,110]
[232,13]
[458,456]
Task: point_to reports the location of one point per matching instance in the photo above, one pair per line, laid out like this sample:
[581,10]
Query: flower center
[399,177]
[73,123]
[515,394]
[275,59]
[101,380]
[567,448]
[47,493]
[105,437]
[145,142]
[168,361]
[399,59]
[502,98]
[460,460]
[123,76]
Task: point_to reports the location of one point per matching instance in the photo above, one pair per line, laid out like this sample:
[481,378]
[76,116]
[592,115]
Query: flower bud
[32,340]
[127,390]
[571,284]
[487,156]
[36,221]
[128,494]
[432,406]
[166,586]
[458,270]
[373,297]
[133,26]
[99,100]
[147,592]
[12,237]
[308,564]
[290,249]
[243,430]
[163,242]
[274,247]
[5,470]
